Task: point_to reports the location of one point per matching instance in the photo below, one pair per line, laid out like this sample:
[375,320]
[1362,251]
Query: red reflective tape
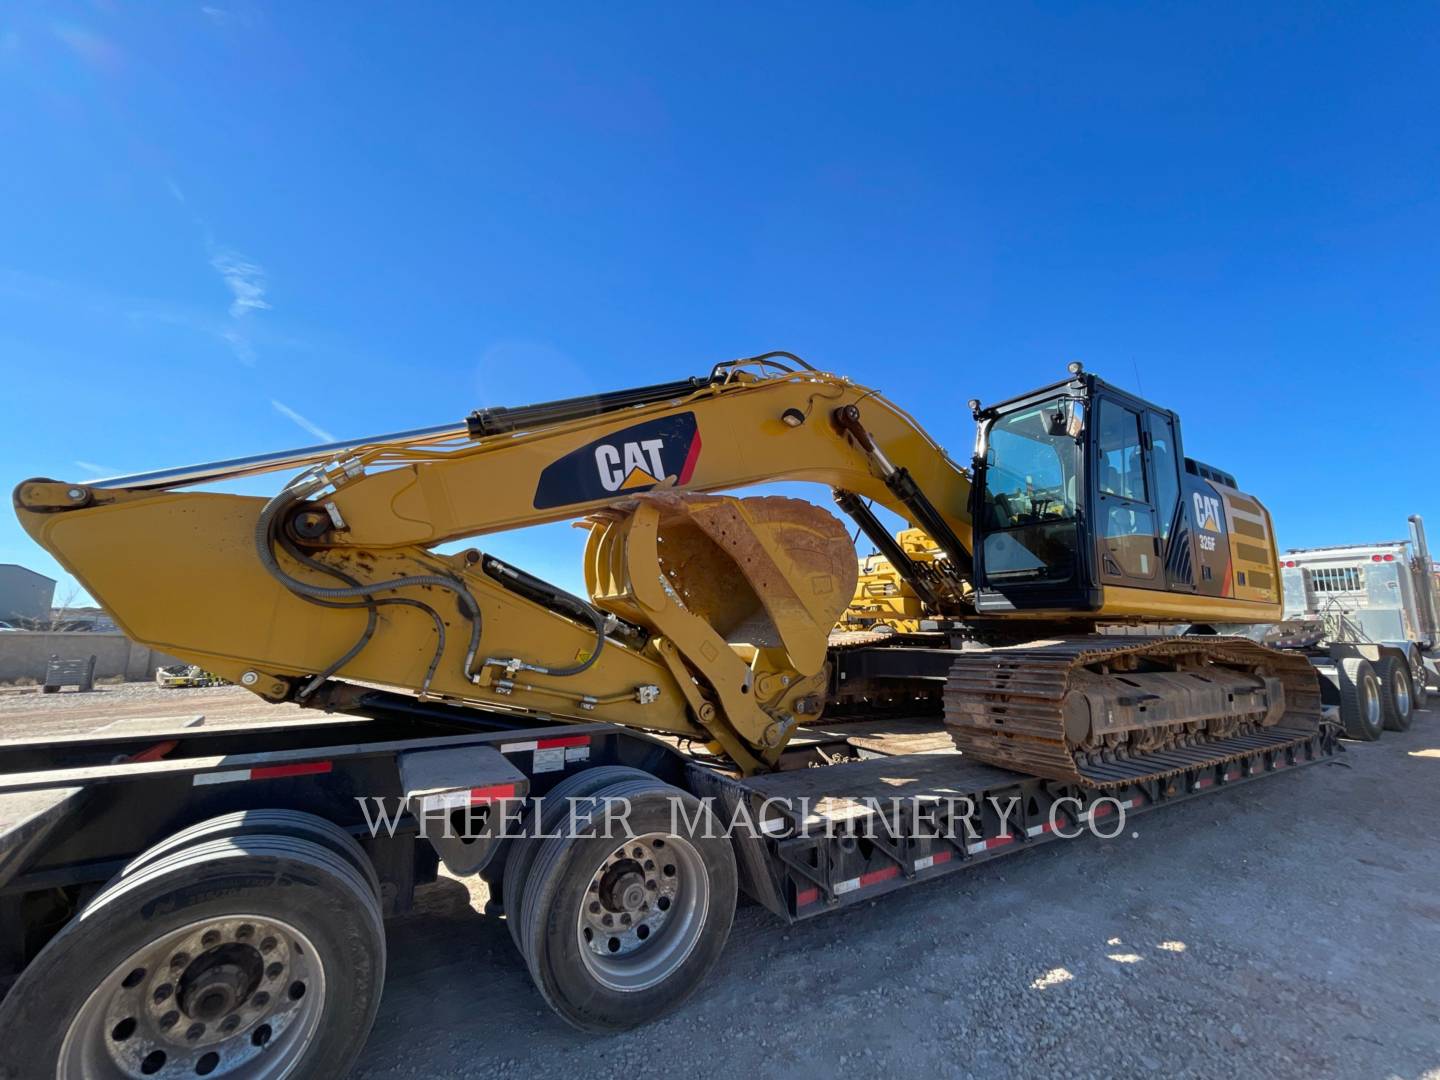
[271,772]
[494,791]
[806,896]
[941,856]
[1101,810]
[688,469]
[998,841]
[1203,783]
[877,876]
[562,740]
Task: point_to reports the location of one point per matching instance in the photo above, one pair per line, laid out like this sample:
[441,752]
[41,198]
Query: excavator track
[1106,711]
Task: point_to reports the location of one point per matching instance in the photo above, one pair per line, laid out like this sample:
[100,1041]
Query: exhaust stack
[1425,581]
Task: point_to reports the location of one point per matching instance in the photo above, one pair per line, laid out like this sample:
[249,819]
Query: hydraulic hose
[528,585]
[265,530]
[370,604]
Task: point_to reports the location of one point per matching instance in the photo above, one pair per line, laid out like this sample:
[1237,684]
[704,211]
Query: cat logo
[634,459]
[630,466]
[1207,512]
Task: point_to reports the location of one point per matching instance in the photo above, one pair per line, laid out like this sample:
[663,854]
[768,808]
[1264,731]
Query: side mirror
[1067,419]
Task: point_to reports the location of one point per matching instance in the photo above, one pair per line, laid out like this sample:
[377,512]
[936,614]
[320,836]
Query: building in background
[25,596]
[92,619]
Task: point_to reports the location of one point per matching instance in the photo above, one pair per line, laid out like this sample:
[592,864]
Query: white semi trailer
[1368,617]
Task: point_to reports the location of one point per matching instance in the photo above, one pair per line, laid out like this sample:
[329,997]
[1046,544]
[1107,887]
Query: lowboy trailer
[113,846]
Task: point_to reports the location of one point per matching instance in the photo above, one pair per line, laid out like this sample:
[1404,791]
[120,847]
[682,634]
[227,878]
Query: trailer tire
[1361,709]
[515,867]
[1397,694]
[255,956]
[614,976]
[270,822]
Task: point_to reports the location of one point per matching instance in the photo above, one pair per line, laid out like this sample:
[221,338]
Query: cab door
[1126,522]
[1163,449]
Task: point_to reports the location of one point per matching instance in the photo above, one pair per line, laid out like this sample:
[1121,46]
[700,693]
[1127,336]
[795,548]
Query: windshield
[1029,473]
[1030,493]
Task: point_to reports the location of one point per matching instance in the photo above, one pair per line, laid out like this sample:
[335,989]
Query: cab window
[1122,465]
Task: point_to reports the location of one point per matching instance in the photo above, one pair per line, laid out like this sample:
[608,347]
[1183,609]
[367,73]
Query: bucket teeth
[1106,711]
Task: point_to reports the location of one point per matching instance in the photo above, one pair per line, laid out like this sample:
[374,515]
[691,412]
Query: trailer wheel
[553,807]
[271,822]
[1361,710]
[1396,694]
[256,956]
[622,928]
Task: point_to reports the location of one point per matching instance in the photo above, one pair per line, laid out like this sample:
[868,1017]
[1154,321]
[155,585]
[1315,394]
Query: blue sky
[229,228]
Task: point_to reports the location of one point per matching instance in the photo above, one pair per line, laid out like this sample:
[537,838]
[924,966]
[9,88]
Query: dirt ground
[1285,928]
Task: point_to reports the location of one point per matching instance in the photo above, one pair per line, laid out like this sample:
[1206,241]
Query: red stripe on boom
[691,458]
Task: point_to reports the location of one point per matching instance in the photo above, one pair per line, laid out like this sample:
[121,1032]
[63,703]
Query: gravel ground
[1285,928]
[25,711]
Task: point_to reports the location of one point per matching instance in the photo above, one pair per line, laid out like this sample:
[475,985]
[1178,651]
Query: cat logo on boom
[657,452]
[630,466]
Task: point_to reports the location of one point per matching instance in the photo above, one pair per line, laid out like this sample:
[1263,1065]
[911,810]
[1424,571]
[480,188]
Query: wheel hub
[624,889]
[220,981]
[235,995]
[643,910]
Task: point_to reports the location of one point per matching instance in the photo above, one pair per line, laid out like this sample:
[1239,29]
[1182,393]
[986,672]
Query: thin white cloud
[175,191]
[309,425]
[239,345]
[245,280]
[225,16]
[98,470]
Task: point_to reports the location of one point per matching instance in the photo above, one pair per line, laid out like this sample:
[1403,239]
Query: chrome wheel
[1370,700]
[644,911]
[239,996]
[1400,690]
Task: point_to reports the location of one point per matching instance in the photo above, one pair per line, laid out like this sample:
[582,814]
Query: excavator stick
[1107,711]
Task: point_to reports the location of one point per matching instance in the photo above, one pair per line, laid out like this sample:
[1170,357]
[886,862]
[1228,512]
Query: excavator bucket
[767,572]
[741,595]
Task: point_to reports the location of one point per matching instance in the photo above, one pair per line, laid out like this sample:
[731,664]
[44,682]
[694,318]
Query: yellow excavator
[709,616]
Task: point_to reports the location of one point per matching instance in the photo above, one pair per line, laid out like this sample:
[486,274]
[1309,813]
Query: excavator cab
[1077,490]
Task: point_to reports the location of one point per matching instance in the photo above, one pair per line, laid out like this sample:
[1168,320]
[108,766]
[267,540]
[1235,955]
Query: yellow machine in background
[883,597]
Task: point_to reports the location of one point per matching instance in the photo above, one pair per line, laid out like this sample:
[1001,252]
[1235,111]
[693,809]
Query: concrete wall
[24,654]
